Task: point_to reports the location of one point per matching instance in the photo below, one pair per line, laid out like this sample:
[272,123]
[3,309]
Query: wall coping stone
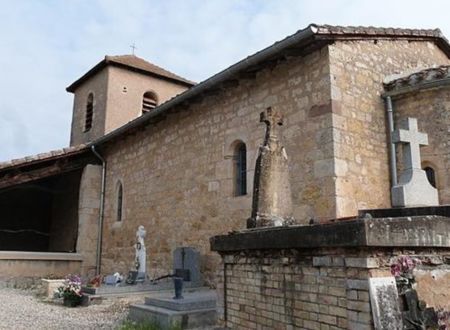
[26,255]
[442,210]
[416,231]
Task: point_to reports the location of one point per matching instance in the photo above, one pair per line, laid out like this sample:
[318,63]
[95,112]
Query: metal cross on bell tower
[133,48]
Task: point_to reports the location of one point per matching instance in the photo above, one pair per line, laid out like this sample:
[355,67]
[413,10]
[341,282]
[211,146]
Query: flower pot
[72,301]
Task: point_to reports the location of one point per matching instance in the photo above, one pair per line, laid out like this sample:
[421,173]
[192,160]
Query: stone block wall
[318,289]
[357,70]
[98,85]
[88,216]
[177,173]
[125,93]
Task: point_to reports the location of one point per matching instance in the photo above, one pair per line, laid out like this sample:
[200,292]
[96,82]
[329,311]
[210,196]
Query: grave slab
[193,301]
[197,309]
[384,301]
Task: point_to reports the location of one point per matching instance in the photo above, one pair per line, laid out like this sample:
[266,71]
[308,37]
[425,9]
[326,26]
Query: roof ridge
[113,58]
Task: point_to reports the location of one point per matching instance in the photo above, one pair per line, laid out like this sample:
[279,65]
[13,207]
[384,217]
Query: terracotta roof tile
[42,156]
[416,78]
[139,63]
[130,62]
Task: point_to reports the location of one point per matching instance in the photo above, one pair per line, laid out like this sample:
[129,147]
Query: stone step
[167,318]
[191,301]
[140,287]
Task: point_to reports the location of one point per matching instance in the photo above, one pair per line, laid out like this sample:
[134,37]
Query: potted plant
[71,291]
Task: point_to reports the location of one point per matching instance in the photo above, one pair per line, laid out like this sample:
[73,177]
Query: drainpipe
[100,213]
[392,158]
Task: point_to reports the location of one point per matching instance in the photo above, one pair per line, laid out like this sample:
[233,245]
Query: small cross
[133,47]
[417,315]
[271,118]
[408,134]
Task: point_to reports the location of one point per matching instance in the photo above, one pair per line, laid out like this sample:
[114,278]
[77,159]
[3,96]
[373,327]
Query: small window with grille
[149,102]
[89,113]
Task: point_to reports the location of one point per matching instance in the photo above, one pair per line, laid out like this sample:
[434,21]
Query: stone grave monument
[195,307]
[186,264]
[413,188]
[272,200]
[141,255]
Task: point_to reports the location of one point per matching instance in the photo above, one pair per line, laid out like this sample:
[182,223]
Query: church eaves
[301,43]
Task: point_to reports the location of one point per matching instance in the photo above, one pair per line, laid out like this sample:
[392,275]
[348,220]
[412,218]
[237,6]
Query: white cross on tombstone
[413,188]
[412,140]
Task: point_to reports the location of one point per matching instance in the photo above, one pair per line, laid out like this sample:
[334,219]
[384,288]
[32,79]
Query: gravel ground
[22,310]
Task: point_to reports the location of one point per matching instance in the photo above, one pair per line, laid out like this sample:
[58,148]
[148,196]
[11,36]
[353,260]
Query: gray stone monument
[413,187]
[272,200]
[385,304]
[187,258]
[141,256]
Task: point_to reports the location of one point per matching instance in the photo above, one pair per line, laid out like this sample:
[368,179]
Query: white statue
[140,252]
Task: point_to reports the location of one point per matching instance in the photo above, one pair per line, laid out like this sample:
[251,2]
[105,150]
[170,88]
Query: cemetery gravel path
[20,309]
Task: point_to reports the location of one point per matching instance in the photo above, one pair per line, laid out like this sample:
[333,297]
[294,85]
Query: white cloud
[46,45]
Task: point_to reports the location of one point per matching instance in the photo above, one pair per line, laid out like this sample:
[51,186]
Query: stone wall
[320,289]
[26,269]
[432,109]
[125,94]
[359,123]
[98,85]
[118,95]
[88,217]
[177,174]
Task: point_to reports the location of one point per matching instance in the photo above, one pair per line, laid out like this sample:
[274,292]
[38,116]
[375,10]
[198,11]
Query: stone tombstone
[189,259]
[413,187]
[141,256]
[272,200]
[384,302]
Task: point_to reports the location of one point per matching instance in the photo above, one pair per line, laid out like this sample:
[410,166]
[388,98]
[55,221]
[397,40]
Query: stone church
[148,147]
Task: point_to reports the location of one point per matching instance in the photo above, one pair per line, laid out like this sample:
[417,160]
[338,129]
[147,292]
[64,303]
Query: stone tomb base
[334,276]
[197,309]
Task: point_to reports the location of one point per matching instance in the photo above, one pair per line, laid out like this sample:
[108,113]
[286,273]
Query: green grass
[130,325]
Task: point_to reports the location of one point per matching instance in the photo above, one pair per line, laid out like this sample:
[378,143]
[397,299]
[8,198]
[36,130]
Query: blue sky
[45,45]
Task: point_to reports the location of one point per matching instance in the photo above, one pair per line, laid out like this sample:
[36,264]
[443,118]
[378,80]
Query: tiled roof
[417,78]
[139,63]
[54,154]
[370,31]
[130,62]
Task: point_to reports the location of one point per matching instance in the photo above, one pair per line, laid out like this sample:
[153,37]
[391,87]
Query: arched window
[431,175]
[89,112]
[119,201]
[149,102]
[240,173]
